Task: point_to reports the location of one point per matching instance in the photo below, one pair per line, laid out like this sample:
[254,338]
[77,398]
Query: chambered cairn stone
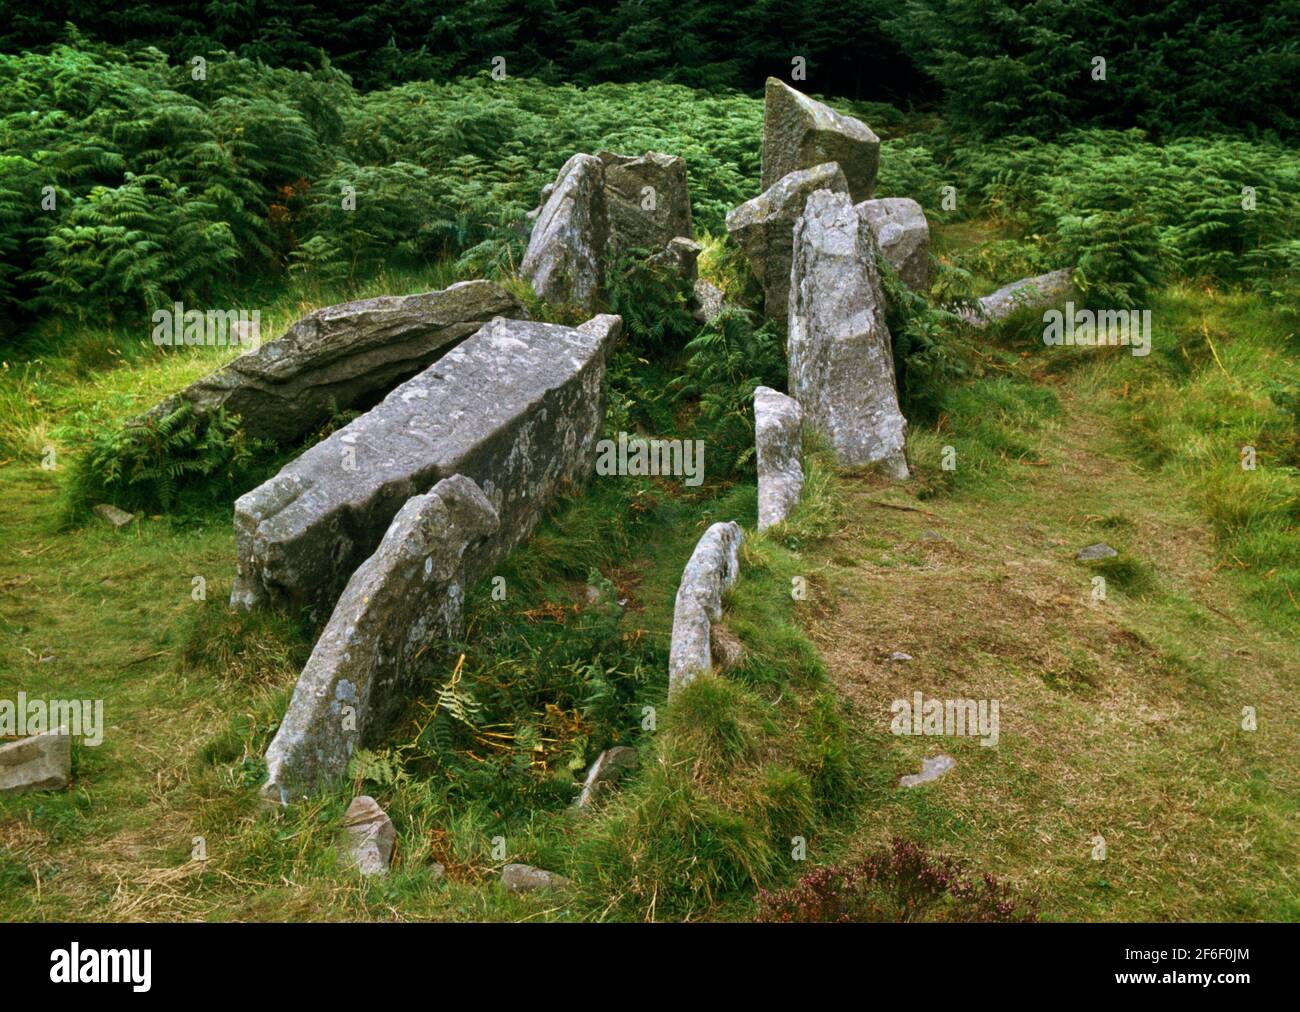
[840,351]
[799,132]
[1029,293]
[342,357]
[903,236]
[516,408]
[647,200]
[778,422]
[763,229]
[565,259]
[711,570]
[384,636]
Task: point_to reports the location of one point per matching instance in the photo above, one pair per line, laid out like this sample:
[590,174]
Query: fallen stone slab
[840,350]
[524,878]
[341,357]
[903,236]
[778,422]
[931,769]
[763,228]
[609,766]
[1029,293]
[800,132]
[1094,553]
[42,762]
[369,836]
[647,200]
[114,517]
[386,633]
[516,408]
[711,570]
[565,258]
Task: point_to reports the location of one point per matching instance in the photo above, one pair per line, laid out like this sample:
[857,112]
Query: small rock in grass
[931,769]
[1092,553]
[370,835]
[898,655]
[933,536]
[524,878]
[112,515]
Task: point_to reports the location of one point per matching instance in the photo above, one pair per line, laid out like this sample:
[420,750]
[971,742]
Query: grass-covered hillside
[1122,716]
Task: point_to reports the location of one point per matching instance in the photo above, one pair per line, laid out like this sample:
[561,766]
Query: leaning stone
[608,767]
[800,132]
[42,762]
[931,769]
[903,235]
[763,227]
[524,878]
[516,408]
[340,357]
[680,258]
[1029,293]
[647,200]
[711,570]
[778,420]
[386,634]
[370,836]
[113,516]
[565,259]
[840,352]
[1093,553]
[709,300]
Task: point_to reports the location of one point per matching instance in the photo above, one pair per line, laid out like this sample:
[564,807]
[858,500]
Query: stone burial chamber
[516,408]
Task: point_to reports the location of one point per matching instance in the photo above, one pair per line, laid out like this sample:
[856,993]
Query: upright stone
[647,200]
[778,421]
[369,836]
[565,259]
[763,229]
[342,356]
[903,236]
[800,132]
[710,571]
[387,631]
[841,356]
[516,408]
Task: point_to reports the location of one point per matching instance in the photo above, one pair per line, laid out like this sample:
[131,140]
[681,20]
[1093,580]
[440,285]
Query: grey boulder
[341,357]
[388,631]
[763,229]
[524,878]
[565,259]
[711,570]
[903,236]
[516,408]
[680,258]
[647,200]
[1097,552]
[778,423]
[369,836]
[42,762]
[1029,293]
[800,132]
[840,351]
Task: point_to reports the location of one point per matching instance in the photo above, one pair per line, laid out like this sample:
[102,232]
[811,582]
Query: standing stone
[763,229]
[840,351]
[340,357]
[370,836]
[517,408]
[799,132]
[680,257]
[607,768]
[42,762]
[778,422]
[711,570]
[709,300]
[903,235]
[1029,293]
[647,200]
[387,632]
[565,259]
